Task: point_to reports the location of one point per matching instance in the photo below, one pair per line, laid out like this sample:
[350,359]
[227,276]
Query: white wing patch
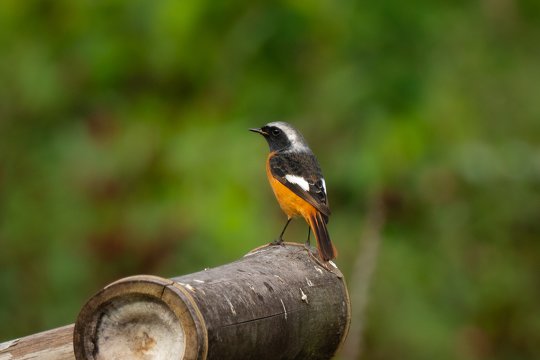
[324,185]
[298,180]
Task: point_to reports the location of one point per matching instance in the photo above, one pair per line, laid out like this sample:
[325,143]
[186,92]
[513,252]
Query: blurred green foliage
[124,149]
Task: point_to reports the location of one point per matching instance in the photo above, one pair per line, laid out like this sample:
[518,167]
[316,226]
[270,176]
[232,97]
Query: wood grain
[54,344]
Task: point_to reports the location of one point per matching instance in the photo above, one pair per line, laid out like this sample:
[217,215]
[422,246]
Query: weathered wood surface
[54,344]
[277,302]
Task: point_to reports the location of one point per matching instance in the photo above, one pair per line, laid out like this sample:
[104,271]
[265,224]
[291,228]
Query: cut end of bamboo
[137,328]
[141,317]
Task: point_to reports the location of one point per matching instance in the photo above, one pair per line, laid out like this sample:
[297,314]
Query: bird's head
[281,136]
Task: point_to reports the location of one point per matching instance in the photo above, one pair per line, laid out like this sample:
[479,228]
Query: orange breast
[291,204]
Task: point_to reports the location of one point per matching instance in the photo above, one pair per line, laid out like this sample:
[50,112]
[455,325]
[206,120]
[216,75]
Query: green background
[124,149]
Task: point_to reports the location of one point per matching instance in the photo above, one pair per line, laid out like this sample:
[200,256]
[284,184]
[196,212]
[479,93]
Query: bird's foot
[278,241]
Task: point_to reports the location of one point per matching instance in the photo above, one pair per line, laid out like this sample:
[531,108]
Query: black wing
[306,167]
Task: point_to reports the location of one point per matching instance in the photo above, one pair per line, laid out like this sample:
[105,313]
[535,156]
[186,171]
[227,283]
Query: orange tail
[327,251]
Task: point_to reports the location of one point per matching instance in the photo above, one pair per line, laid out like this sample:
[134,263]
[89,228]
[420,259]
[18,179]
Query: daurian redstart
[297,181]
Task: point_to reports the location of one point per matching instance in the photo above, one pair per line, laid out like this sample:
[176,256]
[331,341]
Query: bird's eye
[276,132]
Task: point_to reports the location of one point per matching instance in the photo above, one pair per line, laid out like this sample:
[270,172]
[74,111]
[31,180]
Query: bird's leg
[279,241]
[307,245]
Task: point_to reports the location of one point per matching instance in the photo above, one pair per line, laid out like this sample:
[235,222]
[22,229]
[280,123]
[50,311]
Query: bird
[298,183]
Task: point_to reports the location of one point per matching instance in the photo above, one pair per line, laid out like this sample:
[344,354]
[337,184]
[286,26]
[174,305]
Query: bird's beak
[260,131]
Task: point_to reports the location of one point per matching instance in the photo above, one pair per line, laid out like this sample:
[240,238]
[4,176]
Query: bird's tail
[317,223]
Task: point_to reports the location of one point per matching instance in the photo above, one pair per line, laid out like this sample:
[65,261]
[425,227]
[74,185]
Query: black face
[276,138]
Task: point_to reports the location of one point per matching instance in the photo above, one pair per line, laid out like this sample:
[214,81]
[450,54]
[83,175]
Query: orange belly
[291,204]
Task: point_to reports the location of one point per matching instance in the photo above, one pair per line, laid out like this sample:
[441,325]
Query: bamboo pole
[277,302]
[54,344]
